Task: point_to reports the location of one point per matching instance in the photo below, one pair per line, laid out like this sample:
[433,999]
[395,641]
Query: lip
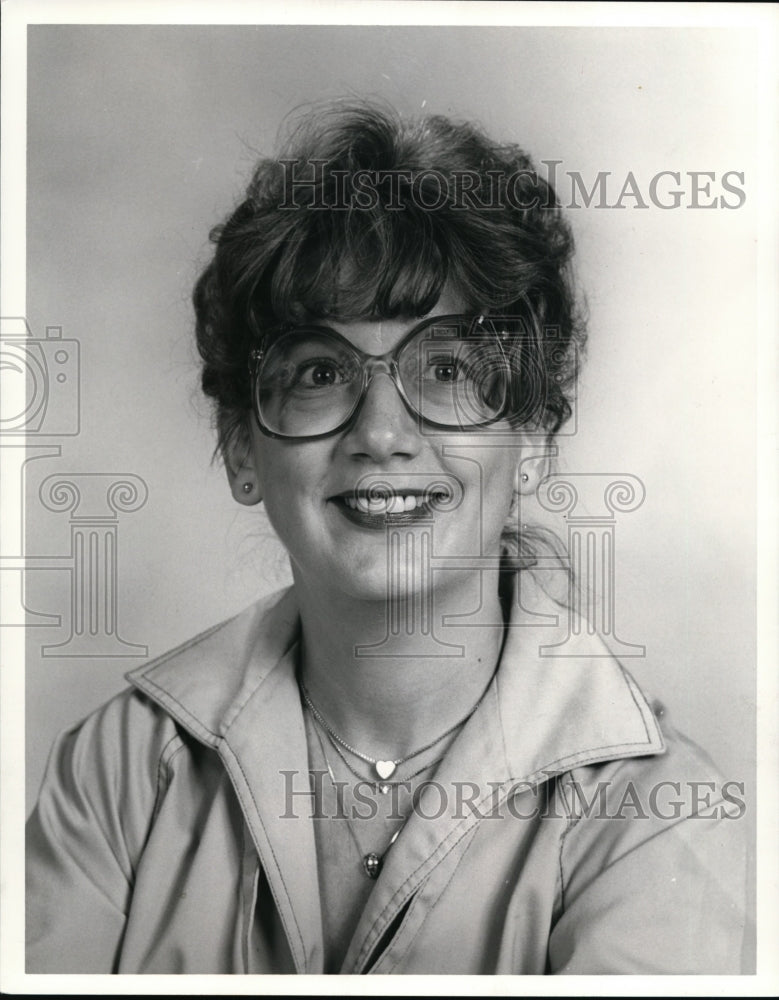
[380,522]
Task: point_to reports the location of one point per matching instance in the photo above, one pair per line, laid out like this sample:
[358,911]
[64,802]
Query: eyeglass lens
[451,373]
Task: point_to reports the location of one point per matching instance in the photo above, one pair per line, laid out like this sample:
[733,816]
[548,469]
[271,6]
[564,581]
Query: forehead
[378,336]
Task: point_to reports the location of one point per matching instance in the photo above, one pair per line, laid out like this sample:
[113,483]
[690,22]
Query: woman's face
[313,489]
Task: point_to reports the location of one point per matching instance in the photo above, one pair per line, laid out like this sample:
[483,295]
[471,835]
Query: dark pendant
[372,865]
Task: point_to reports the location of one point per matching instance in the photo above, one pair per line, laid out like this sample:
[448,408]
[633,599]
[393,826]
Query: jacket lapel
[234,688]
[266,754]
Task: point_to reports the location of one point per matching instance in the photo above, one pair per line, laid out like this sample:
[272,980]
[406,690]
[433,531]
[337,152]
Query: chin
[369,580]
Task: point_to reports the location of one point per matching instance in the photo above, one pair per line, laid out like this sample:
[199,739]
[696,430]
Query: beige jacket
[571,830]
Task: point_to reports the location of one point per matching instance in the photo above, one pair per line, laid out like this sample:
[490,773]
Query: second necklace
[384,768]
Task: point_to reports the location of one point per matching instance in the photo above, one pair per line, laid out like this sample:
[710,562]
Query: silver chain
[371,760]
[382,785]
[372,862]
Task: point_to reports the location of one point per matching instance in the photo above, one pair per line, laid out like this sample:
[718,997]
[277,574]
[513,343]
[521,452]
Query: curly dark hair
[448,207]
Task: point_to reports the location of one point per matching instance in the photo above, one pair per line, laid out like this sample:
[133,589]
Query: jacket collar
[234,689]
[554,712]
[563,711]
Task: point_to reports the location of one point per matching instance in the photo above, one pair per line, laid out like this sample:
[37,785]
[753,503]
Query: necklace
[372,861]
[384,768]
[381,786]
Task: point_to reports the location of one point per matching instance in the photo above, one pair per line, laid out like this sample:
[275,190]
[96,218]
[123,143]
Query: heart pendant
[384,768]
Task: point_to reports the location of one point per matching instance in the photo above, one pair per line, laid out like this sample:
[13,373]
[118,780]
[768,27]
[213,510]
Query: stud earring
[525,477]
[247,487]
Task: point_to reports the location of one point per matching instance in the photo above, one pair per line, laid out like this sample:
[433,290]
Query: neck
[388,692]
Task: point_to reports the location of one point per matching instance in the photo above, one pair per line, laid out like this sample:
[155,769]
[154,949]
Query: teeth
[394,504]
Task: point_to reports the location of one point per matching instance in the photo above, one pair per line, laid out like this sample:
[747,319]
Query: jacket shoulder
[652,865]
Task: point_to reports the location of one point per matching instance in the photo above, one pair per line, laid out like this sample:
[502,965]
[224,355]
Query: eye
[321,373]
[445,372]
[445,368]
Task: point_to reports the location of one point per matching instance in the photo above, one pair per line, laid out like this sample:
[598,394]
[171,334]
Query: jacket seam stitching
[165,697]
[144,671]
[163,771]
[299,943]
[374,934]
[438,898]
[628,680]
[500,718]
[572,821]
[248,904]
[237,708]
[609,748]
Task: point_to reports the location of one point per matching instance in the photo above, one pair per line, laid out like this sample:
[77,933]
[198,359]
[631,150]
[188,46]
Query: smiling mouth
[380,511]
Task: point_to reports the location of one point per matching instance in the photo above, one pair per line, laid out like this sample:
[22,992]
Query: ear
[530,472]
[240,468]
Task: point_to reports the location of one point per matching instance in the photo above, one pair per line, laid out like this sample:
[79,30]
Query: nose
[383,427]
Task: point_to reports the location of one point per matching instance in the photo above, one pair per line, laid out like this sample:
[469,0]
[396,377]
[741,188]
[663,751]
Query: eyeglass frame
[368,366]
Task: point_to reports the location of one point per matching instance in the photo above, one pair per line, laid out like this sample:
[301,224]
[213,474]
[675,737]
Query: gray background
[141,138]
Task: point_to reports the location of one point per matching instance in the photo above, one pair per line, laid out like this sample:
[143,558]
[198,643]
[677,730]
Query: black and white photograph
[389,500]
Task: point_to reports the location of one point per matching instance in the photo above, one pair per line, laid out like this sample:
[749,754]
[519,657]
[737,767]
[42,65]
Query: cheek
[284,499]
[498,488]
[272,463]
[487,476]
[288,474]
[498,495]
[490,465]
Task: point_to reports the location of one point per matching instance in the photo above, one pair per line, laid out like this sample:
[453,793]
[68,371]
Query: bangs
[356,264]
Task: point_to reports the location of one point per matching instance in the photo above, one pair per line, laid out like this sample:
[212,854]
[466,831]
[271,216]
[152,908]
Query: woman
[377,771]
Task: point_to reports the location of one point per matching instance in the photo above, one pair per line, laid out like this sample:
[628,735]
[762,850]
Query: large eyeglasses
[453,372]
